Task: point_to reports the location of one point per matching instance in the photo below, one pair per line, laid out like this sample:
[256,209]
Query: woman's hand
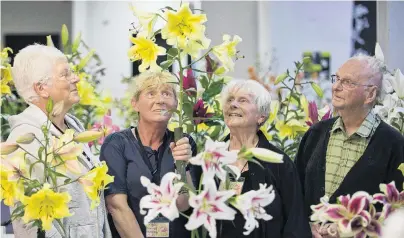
[181,150]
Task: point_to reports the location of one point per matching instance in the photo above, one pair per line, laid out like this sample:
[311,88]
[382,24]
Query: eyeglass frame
[335,78]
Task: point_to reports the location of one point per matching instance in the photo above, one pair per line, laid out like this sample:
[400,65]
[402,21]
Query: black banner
[364,23]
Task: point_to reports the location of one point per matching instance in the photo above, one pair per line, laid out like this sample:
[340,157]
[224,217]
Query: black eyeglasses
[347,83]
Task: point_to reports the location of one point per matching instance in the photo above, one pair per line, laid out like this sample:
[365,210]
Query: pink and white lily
[252,205]
[209,206]
[319,215]
[391,198]
[162,199]
[214,160]
[106,127]
[351,215]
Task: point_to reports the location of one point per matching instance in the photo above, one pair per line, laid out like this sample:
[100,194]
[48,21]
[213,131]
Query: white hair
[262,98]
[376,69]
[34,64]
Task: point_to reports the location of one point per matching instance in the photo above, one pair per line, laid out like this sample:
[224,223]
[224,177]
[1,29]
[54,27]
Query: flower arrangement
[198,111]
[210,204]
[26,192]
[356,215]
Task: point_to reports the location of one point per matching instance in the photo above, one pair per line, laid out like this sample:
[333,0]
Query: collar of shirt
[366,129]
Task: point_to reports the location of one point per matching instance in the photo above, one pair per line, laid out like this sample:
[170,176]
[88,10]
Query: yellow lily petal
[266,155]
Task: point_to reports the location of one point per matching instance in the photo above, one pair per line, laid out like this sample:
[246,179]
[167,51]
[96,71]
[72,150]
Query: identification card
[236,185]
[158,227]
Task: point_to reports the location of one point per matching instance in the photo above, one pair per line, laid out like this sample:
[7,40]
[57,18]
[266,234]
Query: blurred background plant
[291,113]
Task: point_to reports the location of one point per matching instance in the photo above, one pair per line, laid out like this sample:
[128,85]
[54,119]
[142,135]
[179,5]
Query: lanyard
[159,156]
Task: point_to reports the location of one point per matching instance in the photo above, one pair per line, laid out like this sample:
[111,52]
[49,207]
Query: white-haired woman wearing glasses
[246,106]
[41,73]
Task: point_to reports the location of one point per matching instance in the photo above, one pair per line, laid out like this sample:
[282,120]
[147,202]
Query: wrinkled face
[63,86]
[353,89]
[155,103]
[240,110]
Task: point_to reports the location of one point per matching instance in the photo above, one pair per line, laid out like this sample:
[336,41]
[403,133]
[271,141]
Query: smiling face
[155,102]
[62,85]
[240,110]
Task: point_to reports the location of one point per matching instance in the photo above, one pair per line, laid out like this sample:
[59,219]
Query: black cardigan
[378,164]
[289,219]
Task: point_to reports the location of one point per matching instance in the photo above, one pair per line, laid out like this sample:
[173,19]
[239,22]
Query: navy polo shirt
[121,152]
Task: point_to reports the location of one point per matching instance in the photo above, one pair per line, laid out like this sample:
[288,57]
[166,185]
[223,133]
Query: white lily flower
[214,160]
[398,84]
[252,203]
[162,199]
[378,52]
[209,206]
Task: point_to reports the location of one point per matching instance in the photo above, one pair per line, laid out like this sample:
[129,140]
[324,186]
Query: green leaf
[31,167]
[281,78]
[214,89]
[57,174]
[76,43]
[317,89]
[49,106]
[169,8]
[166,64]
[67,181]
[49,41]
[85,60]
[204,81]
[188,109]
[64,35]
[172,53]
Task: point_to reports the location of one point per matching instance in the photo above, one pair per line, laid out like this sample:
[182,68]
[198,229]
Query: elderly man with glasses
[355,150]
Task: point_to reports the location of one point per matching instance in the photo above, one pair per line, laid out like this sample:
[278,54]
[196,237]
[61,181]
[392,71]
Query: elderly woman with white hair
[146,150]
[41,73]
[246,106]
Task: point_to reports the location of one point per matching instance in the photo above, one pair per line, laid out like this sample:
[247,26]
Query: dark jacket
[289,220]
[378,164]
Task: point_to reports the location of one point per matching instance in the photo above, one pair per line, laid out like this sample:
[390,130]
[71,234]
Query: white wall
[234,18]
[34,16]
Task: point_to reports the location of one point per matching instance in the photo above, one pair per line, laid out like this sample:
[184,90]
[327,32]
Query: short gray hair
[376,69]
[262,97]
[34,64]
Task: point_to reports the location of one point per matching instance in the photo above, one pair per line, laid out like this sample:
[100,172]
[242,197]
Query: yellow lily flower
[291,129]
[185,30]
[147,51]
[226,51]
[46,205]
[104,105]
[6,78]
[146,20]
[96,181]
[86,93]
[10,191]
[67,150]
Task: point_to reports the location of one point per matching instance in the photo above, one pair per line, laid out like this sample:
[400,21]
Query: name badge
[159,227]
[236,185]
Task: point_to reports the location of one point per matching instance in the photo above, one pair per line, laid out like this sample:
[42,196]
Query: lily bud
[317,89]
[266,155]
[8,148]
[280,78]
[87,136]
[26,139]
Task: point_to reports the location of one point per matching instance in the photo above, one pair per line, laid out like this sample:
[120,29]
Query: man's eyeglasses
[347,83]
